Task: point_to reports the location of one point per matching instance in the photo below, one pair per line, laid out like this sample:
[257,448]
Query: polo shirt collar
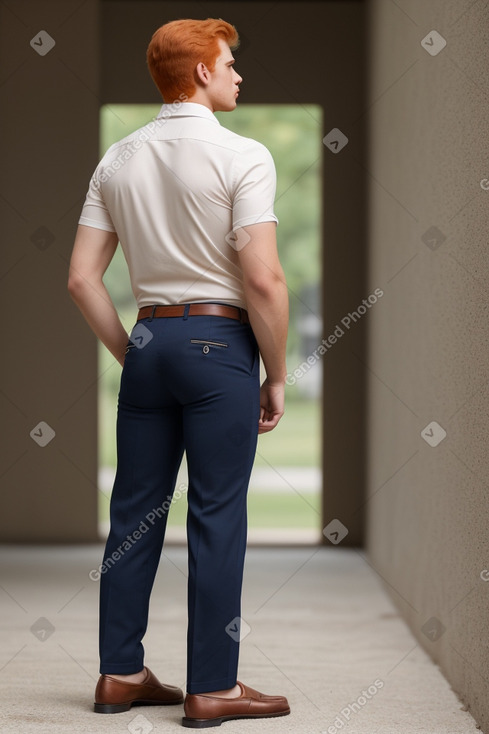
[187,109]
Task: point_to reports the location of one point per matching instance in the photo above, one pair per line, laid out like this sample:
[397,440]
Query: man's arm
[92,252]
[268,308]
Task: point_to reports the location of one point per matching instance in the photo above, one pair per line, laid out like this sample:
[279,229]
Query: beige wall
[428,335]
[290,54]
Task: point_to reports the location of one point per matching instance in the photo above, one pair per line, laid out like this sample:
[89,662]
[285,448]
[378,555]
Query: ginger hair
[177,47]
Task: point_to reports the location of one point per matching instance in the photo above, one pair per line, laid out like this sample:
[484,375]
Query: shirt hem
[96,225]
[254,220]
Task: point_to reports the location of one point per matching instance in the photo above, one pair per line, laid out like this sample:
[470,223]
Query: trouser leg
[176,392]
[150,446]
[220,439]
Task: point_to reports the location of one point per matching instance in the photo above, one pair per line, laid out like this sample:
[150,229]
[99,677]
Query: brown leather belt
[195,309]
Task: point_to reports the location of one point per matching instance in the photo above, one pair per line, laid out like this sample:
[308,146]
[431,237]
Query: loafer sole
[205,723]
[117,708]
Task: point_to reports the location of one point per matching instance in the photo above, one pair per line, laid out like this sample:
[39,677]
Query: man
[192,206]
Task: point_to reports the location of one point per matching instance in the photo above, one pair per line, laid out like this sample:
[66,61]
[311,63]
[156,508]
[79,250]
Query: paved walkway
[321,631]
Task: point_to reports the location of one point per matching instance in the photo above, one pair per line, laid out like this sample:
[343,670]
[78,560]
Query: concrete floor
[322,631]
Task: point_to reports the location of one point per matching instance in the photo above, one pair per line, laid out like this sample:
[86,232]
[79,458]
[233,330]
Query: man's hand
[271,406]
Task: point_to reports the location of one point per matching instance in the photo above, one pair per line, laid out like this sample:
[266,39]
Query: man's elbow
[265,286]
[76,285]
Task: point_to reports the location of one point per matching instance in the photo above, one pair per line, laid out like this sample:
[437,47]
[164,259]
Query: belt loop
[152,314]
[241,316]
[185,311]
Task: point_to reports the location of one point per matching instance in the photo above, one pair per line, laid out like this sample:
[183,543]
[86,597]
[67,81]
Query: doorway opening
[284,499]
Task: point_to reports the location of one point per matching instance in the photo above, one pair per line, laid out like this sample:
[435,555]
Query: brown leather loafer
[113,696]
[202,711]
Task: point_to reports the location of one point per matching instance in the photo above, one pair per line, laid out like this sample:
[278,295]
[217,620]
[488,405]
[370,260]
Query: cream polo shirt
[175,191]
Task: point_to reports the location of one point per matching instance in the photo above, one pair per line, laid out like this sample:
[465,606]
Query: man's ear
[202,74]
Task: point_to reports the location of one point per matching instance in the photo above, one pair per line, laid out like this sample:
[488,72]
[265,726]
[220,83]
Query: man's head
[193,58]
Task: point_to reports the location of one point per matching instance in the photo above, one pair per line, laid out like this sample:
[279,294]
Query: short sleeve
[95,212]
[255,185]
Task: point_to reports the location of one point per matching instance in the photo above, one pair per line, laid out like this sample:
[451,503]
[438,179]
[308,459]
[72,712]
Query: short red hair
[177,47]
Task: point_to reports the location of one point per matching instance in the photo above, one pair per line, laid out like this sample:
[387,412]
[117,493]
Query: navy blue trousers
[188,384]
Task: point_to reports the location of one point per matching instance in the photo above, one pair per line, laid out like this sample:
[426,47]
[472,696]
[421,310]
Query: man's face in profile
[223,88]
